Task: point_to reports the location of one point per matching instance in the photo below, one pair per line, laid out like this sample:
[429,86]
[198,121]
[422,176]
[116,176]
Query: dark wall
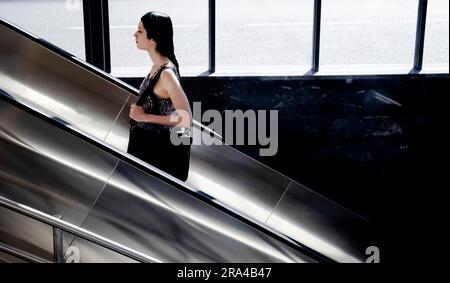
[366,142]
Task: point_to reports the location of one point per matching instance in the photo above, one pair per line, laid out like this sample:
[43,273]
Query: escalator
[63,136]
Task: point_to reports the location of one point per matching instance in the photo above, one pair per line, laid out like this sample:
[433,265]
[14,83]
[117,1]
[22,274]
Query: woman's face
[142,42]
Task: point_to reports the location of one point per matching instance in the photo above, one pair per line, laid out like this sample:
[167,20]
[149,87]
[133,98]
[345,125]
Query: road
[252,33]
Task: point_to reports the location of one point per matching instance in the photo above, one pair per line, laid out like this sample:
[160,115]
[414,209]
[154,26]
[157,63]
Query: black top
[152,103]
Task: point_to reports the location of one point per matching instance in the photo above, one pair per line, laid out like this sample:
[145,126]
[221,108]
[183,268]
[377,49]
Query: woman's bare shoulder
[169,76]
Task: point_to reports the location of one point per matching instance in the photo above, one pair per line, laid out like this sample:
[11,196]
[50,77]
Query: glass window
[190,20]
[436,49]
[264,34]
[59,21]
[368,32]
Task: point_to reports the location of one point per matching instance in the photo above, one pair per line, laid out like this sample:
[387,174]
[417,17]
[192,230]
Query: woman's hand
[137,113]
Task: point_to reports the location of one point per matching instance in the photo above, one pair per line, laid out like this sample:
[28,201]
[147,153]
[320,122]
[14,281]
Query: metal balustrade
[58,227]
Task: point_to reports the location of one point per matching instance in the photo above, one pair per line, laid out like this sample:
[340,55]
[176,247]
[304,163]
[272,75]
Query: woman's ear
[153,42]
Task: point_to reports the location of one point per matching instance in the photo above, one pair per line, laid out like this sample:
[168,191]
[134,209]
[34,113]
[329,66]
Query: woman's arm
[183,115]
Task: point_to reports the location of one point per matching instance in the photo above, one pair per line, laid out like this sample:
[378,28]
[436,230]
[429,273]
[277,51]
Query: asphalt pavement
[255,34]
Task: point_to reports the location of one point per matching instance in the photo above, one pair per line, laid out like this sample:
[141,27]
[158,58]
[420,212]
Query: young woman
[163,107]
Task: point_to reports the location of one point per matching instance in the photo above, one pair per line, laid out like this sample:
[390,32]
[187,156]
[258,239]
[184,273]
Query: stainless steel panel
[37,76]
[44,80]
[46,168]
[6,258]
[321,225]
[26,234]
[236,180]
[223,173]
[119,133]
[152,217]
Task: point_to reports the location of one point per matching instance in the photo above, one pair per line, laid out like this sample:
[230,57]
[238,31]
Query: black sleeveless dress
[151,142]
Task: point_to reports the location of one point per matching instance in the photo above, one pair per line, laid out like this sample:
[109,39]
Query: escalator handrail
[22,254]
[73,59]
[75,230]
[136,162]
[68,56]
[178,184]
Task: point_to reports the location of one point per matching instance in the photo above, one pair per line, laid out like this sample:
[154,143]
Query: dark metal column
[212,36]
[58,244]
[96,33]
[316,35]
[420,34]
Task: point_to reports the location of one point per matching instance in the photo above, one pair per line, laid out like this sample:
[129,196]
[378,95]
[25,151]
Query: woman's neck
[157,59]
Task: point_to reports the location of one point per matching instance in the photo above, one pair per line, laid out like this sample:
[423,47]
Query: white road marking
[333,23]
[274,24]
[135,27]
[307,24]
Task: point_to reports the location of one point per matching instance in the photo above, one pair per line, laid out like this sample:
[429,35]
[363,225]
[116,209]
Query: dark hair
[159,28]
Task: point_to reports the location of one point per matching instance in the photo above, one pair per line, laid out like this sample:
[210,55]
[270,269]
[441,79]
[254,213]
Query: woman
[162,111]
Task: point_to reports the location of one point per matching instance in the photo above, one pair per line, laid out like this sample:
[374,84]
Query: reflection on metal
[187,229]
[130,207]
[60,225]
[314,214]
[32,74]
[88,100]
[15,255]
[236,180]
